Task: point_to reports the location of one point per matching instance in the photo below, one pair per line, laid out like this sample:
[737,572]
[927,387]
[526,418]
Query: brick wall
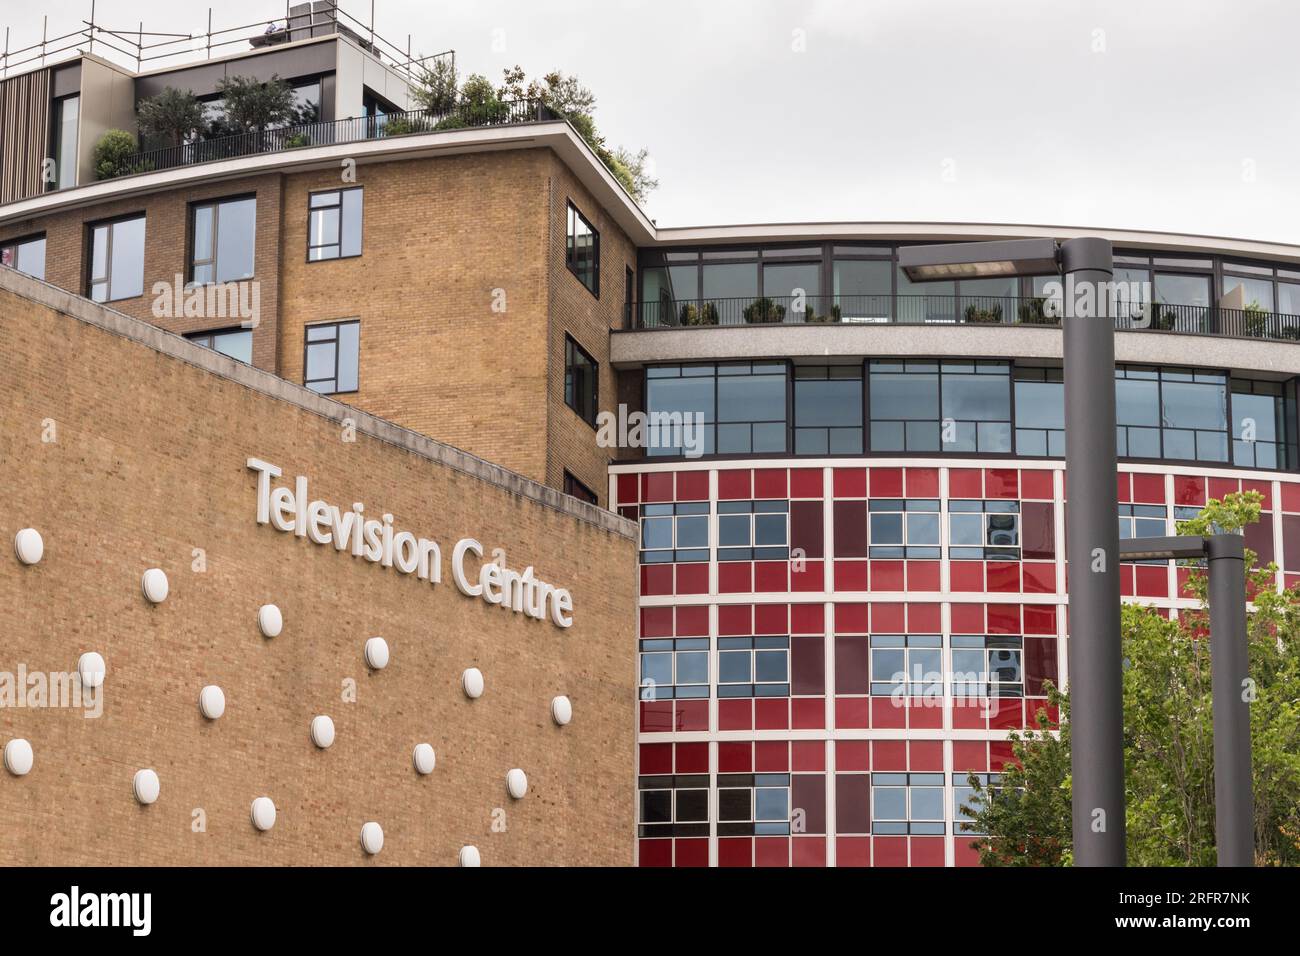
[147,465]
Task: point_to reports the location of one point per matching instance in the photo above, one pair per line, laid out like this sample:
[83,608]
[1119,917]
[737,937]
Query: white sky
[1178,115]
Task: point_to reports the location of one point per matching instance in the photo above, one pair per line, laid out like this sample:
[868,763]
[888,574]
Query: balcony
[951,310]
[351,130]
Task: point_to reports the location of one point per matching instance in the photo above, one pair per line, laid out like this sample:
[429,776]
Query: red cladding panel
[771,756]
[735,757]
[1290,496]
[850,482]
[808,851]
[770,483]
[808,619]
[771,619]
[968,619]
[692,853]
[1189,490]
[1001,483]
[886,482]
[692,621]
[970,755]
[886,575]
[628,489]
[852,755]
[692,715]
[735,714]
[1223,486]
[924,713]
[734,484]
[735,577]
[888,755]
[772,713]
[1149,489]
[656,716]
[851,619]
[806,483]
[657,486]
[1152,580]
[925,756]
[693,758]
[1004,618]
[888,618]
[965,483]
[772,851]
[654,853]
[1123,487]
[772,576]
[927,851]
[1006,713]
[656,758]
[966,575]
[1040,619]
[1037,485]
[889,851]
[656,622]
[1265,488]
[887,713]
[808,755]
[812,578]
[922,482]
[1003,576]
[733,851]
[852,713]
[1040,578]
[852,851]
[693,578]
[808,713]
[735,619]
[692,485]
[850,575]
[656,579]
[924,618]
[923,575]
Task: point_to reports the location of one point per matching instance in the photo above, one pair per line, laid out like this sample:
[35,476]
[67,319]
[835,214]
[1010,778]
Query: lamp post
[1092,531]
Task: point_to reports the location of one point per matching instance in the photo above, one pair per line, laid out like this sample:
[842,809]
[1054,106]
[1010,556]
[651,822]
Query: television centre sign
[293,511]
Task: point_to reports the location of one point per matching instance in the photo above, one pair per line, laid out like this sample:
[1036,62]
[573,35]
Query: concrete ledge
[630,349]
[167,343]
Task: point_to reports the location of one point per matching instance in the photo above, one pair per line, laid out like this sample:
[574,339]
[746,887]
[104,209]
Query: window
[753,530]
[223,234]
[903,803]
[332,354]
[828,410]
[24,255]
[580,371]
[334,224]
[236,343]
[1258,425]
[673,805]
[984,530]
[987,666]
[741,406]
[753,804]
[1171,413]
[933,406]
[904,528]
[1142,521]
[117,260]
[576,489]
[64,116]
[963,794]
[1040,412]
[674,668]
[863,290]
[753,666]
[907,665]
[582,254]
[675,532]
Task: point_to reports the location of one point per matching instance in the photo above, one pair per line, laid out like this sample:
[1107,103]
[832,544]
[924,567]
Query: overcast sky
[1161,114]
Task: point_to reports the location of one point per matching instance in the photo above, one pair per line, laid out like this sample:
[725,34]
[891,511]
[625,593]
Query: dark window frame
[23,240]
[571,399]
[89,280]
[576,489]
[210,334]
[307,343]
[338,239]
[571,258]
[192,234]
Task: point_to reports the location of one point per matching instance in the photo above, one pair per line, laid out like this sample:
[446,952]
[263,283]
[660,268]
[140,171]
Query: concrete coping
[259,380]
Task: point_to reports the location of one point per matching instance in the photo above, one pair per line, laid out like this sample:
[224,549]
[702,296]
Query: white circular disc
[377,653]
[269,620]
[469,856]
[212,702]
[90,668]
[372,837]
[322,731]
[561,710]
[18,757]
[517,783]
[263,813]
[424,759]
[29,546]
[145,786]
[154,585]
[471,681]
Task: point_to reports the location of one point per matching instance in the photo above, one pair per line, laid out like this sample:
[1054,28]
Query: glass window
[862,289]
[984,530]
[753,530]
[990,301]
[963,797]
[903,803]
[332,359]
[754,666]
[741,406]
[1255,294]
[753,804]
[680,402]
[334,224]
[1171,413]
[785,283]
[987,666]
[25,255]
[674,668]
[828,410]
[65,115]
[582,252]
[576,489]
[1040,412]
[580,379]
[903,528]
[223,242]
[1258,425]
[675,532]
[926,301]
[236,343]
[669,296]
[949,406]
[117,260]
[907,665]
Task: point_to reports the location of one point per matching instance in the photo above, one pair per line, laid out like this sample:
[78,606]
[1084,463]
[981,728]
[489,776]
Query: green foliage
[707,314]
[435,85]
[112,155]
[399,125]
[1037,311]
[479,103]
[173,116]
[989,316]
[251,105]
[1168,732]
[762,311]
[297,141]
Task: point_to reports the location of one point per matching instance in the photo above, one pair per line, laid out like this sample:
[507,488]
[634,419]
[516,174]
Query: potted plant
[763,311]
[981,316]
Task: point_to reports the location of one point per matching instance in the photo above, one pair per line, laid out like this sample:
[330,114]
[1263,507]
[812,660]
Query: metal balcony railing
[351,130]
[950,310]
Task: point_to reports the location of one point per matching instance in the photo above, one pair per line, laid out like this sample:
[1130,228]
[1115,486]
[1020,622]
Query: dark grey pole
[1092,537]
[1234,801]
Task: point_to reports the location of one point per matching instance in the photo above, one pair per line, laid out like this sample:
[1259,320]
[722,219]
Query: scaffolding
[149,49]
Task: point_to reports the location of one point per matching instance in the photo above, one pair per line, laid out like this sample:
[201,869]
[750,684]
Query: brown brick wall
[148,465]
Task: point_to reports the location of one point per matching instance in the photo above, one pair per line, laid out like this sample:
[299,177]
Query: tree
[113,152]
[253,106]
[172,115]
[436,85]
[1168,733]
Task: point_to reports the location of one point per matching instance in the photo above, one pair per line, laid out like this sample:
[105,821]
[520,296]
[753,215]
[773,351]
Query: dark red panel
[808,755]
[656,716]
[808,618]
[735,851]
[807,529]
[656,622]
[692,853]
[1220,487]
[1001,483]
[654,853]
[692,758]
[850,575]
[807,666]
[852,851]
[656,758]
[770,483]
[851,665]
[769,576]
[888,755]
[734,483]
[692,578]
[692,715]
[1037,530]
[850,528]
[852,803]
[657,486]
[965,483]
[968,619]
[735,757]
[1149,489]
[811,578]
[889,851]
[1265,488]
[1004,618]
[888,713]
[1152,580]
[852,713]
[735,577]
[1038,484]
[1039,578]
[852,755]
[808,713]
[629,489]
[886,482]
[922,482]
[851,618]
[692,621]
[771,756]
[1040,619]
[1189,490]
[806,483]
[772,713]
[692,485]
[771,619]
[734,714]
[1290,496]
[850,482]
[970,756]
[656,579]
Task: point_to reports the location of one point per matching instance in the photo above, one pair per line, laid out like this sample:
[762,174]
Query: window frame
[17,242]
[571,349]
[307,343]
[192,235]
[211,334]
[338,243]
[571,257]
[107,281]
[576,489]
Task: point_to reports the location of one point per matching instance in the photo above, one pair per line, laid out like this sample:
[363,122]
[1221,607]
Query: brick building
[851,582]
